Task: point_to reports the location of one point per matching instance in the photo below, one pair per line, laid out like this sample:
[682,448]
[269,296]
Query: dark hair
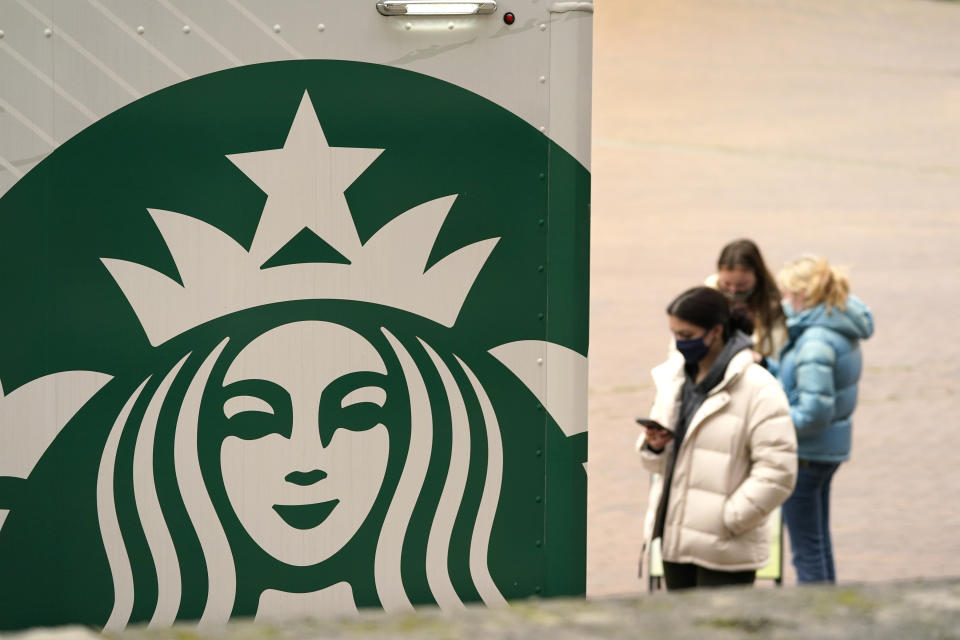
[764,302]
[706,307]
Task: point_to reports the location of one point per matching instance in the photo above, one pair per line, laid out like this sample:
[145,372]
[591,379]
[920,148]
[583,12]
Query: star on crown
[304,181]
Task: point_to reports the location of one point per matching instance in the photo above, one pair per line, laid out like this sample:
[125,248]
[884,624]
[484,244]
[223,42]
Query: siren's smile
[322,415]
[305,516]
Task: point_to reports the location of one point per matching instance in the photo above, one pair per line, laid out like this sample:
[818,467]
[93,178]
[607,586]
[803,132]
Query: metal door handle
[435,7]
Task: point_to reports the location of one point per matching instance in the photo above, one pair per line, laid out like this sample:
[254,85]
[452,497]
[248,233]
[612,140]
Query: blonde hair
[820,282]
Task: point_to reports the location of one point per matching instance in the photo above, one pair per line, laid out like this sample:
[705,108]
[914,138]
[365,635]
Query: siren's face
[308,450]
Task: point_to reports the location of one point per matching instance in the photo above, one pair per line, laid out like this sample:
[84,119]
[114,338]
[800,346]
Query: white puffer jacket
[737,463]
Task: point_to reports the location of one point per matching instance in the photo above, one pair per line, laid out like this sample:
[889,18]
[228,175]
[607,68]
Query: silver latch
[435,7]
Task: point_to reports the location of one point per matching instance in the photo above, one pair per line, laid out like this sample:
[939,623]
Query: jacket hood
[736,343]
[855,322]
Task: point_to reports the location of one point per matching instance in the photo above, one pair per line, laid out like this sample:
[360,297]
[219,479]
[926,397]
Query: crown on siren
[305,182]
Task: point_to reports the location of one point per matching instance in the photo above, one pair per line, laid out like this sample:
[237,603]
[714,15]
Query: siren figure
[310,438]
[323,437]
[304,452]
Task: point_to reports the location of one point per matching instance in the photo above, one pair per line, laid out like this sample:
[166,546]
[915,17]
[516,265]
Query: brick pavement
[807,126]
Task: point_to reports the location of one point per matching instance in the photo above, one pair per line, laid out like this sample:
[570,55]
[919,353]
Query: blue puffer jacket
[819,369]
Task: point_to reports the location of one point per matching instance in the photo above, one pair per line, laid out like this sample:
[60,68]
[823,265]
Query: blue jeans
[807,515]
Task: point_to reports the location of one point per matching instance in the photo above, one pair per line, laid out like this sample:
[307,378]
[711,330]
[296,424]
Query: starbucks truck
[295,300]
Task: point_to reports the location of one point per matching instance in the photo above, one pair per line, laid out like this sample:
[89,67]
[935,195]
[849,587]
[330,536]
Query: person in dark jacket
[819,369]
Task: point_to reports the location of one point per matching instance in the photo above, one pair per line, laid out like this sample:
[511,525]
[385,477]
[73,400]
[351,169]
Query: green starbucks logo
[307,393]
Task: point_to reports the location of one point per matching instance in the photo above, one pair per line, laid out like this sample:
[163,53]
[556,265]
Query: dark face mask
[693,350]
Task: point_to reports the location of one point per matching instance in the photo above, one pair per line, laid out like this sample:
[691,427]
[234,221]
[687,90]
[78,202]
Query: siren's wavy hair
[764,302]
[473,435]
[818,280]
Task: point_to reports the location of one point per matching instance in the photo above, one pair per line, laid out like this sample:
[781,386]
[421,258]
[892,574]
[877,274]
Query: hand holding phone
[651,423]
[656,435]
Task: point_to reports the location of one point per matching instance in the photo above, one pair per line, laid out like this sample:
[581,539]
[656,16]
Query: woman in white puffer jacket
[728,455]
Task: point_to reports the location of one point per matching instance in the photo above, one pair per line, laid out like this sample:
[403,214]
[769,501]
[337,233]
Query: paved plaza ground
[809,126]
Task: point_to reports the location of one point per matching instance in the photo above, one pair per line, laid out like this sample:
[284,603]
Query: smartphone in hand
[652,424]
[657,436]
